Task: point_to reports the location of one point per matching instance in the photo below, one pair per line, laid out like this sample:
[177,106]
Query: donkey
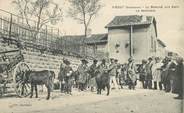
[102,81]
[44,77]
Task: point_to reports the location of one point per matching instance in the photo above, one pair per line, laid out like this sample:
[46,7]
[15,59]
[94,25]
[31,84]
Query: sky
[170,24]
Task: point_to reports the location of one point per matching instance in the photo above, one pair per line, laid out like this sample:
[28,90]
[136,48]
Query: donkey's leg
[31,91]
[36,91]
[48,91]
[108,89]
[100,90]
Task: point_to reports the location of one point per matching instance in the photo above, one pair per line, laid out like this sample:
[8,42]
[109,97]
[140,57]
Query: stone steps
[38,61]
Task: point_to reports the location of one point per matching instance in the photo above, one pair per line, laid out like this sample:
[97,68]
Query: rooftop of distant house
[130,20]
[91,39]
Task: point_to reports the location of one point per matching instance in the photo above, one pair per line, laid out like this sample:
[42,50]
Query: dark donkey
[102,81]
[44,77]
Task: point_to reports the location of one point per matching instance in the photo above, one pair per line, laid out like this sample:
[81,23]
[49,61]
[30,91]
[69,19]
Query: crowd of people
[153,73]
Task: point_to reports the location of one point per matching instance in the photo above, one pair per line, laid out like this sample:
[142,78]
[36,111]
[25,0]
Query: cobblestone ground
[119,101]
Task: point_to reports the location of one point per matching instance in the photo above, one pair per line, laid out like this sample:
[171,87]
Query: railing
[14,28]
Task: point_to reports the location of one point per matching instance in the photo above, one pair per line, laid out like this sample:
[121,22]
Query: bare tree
[83,11]
[41,11]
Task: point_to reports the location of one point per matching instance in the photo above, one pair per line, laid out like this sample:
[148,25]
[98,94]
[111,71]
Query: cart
[12,66]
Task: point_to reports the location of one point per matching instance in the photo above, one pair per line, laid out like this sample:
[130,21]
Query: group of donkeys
[46,77]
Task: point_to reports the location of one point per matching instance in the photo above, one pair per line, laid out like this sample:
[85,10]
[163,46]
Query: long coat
[142,72]
[113,69]
[131,72]
[168,72]
[177,81]
[93,74]
[149,71]
[61,73]
[83,73]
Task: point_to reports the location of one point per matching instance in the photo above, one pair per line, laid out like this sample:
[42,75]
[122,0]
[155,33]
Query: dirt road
[119,101]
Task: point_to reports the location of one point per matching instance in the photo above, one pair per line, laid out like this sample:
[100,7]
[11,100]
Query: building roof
[161,42]
[93,39]
[130,20]
[97,38]
[78,39]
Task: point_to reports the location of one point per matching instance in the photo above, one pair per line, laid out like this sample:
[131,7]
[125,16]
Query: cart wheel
[22,88]
[1,91]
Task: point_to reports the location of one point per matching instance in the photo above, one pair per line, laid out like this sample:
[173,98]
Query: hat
[150,58]
[116,60]
[144,61]
[169,59]
[95,60]
[130,59]
[103,60]
[84,60]
[111,59]
[179,59]
[66,61]
[157,58]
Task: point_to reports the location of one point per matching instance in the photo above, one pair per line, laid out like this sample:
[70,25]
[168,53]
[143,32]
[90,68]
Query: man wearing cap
[61,76]
[131,74]
[178,81]
[142,72]
[82,70]
[92,72]
[168,74]
[102,68]
[118,72]
[68,77]
[112,73]
[102,78]
[148,78]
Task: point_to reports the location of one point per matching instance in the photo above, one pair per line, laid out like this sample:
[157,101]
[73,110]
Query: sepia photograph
[91,56]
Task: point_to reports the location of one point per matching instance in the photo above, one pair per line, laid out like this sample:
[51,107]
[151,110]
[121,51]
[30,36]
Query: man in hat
[148,78]
[102,68]
[118,72]
[82,70]
[61,76]
[112,73]
[68,76]
[131,73]
[178,81]
[169,73]
[92,72]
[142,72]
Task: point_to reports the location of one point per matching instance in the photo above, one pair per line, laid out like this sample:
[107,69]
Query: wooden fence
[13,28]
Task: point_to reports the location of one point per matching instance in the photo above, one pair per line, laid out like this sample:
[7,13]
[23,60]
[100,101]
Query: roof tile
[130,20]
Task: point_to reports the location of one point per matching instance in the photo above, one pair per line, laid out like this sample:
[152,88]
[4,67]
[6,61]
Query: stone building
[128,36]
[134,36]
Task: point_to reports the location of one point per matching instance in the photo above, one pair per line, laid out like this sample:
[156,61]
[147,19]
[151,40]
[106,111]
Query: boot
[160,85]
[155,85]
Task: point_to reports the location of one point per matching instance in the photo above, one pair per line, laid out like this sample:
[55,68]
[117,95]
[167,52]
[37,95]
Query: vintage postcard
[91,56]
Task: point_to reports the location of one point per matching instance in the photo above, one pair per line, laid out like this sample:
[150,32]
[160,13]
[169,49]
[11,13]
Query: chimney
[89,31]
[143,18]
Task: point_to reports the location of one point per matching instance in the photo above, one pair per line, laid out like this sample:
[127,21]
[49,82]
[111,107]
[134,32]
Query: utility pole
[131,41]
